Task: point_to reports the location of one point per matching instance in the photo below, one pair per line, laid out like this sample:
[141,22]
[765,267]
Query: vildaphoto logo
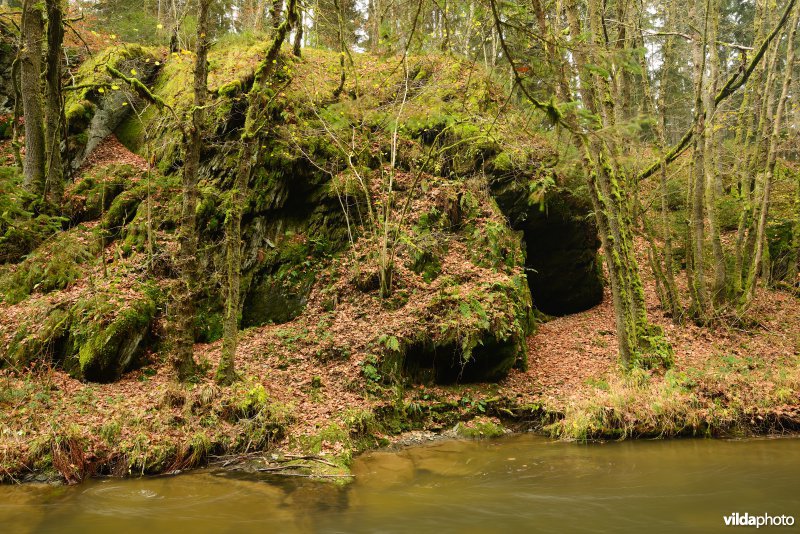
[765,520]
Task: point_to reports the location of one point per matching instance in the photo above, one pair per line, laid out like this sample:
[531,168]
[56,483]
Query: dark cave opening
[426,362]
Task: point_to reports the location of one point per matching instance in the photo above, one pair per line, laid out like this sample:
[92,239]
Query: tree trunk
[772,153]
[31,86]
[608,199]
[745,132]
[251,142]
[298,34]
[709,163]
[54,108]
[662,261]
[697,281]
[183,358]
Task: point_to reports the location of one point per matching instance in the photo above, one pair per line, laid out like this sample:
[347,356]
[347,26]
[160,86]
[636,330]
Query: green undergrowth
[25,222]
[94,193]
[480,427]
[731,395]
[98,337]
[55,265]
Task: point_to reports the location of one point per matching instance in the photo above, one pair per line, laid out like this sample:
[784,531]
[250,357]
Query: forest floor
[314,415]
[314,407]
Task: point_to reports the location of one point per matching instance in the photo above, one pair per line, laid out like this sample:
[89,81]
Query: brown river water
[520,483]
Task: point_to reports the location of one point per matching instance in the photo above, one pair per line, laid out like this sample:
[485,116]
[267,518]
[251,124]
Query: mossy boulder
[106,351]
[93,194]
[97,338]
[478,335]
[53,266]
[102,104]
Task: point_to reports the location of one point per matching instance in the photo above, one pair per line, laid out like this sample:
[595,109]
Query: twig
[303,475]
[280,468]
[314,458]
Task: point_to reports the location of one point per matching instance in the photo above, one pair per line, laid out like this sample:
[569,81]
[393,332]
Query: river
[521,483]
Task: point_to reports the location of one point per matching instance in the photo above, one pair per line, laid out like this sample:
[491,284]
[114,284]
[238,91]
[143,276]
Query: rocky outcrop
[466,229]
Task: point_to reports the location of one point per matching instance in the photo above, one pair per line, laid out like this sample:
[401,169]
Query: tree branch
[734,83]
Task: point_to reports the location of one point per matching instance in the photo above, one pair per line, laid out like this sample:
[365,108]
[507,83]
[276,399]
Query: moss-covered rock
[107,351]
[56,265]
[308,200]
[96,338]
[123,209]
[94,193]
[96,110]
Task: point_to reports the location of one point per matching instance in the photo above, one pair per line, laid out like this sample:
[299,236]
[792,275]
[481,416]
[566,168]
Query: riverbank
[295,409]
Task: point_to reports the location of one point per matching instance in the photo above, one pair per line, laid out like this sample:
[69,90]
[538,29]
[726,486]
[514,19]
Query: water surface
[519,484]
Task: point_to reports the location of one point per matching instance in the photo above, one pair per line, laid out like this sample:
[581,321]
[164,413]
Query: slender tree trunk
[745,132]
[54,108]
[697,281]
[183,358]
[31,86]
[298,34]
[251,142]
[608,199]
[709,163]
[662,261]
[758,161]
[772,153]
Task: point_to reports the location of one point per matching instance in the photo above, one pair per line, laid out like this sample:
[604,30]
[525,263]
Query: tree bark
[31,86]
[712,188]
[183,357]
[226,373]
[54,109]
[697,281]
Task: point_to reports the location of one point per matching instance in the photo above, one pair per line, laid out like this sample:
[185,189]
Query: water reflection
[522,483]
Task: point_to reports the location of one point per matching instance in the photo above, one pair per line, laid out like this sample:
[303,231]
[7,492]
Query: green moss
[480,427]
[92,73]
[53,266]
[123,209]
[230,89]
[131,133]
[94,193]
[106,351]
[654,350]
[23,225]
[79,115]
[503,162]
